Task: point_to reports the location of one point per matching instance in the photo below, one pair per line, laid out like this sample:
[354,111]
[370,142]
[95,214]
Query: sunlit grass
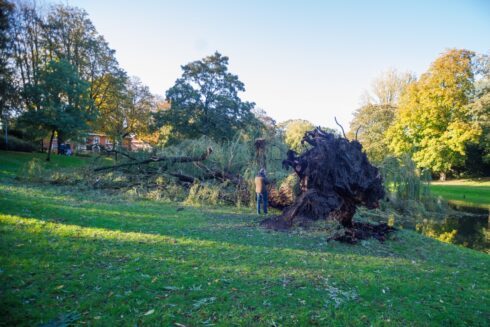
[11,162]
[113,261]
[464,192]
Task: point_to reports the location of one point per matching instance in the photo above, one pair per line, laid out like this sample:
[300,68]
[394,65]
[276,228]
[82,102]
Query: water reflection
[467,226]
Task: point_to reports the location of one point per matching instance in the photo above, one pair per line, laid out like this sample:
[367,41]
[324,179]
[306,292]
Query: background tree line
[60,78]
[440,120]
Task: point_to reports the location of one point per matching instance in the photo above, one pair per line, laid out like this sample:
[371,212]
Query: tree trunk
[260,157]
[50,145]
[60,139]
[442,176]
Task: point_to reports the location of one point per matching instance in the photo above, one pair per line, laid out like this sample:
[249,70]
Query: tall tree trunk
[60,141]
[442,176]
[50,145]
[260,157]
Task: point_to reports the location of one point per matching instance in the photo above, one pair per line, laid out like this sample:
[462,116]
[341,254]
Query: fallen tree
[162,173]
[170,160]
[335,177]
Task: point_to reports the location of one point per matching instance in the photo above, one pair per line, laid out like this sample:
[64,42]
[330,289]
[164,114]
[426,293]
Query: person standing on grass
[261,190]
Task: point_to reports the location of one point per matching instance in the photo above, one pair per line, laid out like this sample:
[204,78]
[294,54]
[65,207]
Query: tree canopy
[433,122]
[60,101]
[294,130]
[205,101]
[370,123]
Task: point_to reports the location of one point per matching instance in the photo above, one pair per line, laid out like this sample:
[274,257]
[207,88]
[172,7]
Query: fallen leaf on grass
[199,303]
[149,312]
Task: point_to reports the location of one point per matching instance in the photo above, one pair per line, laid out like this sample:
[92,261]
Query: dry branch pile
[169,175]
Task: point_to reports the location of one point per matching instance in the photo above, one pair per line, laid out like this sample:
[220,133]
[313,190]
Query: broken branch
[172,160]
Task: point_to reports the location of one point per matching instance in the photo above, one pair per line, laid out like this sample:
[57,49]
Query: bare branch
[357,131]
[172,160]
[343,132]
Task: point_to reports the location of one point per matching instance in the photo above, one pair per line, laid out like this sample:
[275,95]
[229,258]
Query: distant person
[261,190]
[68,150]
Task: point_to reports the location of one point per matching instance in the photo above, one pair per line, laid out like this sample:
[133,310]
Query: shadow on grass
[217,225]
[85,264]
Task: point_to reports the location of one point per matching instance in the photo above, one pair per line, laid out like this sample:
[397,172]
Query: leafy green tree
[7,91]
[372,120]
[205,101]
[294,130]
[60,32]
[69,34]
[60,102]
[126,109]
[370,123]
[480,105]
[478,154]
[433,122]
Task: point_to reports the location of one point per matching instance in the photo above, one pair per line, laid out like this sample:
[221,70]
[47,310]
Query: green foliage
[124,108]
[205,194]
[59,102]
[17,144]
[64,35]
[7,89]
[479,107]
[373,121]
[433,122]
[33,171]
[205,101]
[294,130]
[408,190]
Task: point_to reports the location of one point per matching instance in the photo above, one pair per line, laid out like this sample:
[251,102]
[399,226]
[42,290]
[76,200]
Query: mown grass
[106,261]
[464,192]
[11,161]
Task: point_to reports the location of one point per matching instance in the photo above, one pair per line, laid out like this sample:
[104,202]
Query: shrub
[33,171]
[16,144]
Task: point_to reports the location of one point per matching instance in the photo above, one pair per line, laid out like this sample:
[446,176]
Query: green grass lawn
[464,192]
[11,161]
[109,261]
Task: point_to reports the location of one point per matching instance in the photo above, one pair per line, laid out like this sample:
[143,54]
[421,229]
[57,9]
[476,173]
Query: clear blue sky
[298,59]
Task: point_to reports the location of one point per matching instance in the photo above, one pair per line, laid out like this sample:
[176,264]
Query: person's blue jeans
[262,197]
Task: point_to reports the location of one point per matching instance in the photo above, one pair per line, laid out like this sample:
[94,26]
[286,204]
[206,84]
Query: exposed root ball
[335,178]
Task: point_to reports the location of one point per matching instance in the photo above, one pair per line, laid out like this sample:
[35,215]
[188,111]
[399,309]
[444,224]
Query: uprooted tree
[335,178]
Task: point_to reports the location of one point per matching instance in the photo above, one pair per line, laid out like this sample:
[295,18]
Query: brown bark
[171,160]
[50,145]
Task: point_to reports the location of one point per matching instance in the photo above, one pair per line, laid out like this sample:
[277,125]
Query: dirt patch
[363,231]
[358,231]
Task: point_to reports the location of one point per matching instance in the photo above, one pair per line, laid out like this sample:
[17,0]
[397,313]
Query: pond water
[465,225]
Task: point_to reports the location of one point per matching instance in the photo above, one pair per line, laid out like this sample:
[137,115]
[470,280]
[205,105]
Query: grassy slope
[470,192]
[113,261]
[11,161]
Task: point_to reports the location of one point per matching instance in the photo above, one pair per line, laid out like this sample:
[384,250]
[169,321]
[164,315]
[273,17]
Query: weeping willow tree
[408,190]
[403,181]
